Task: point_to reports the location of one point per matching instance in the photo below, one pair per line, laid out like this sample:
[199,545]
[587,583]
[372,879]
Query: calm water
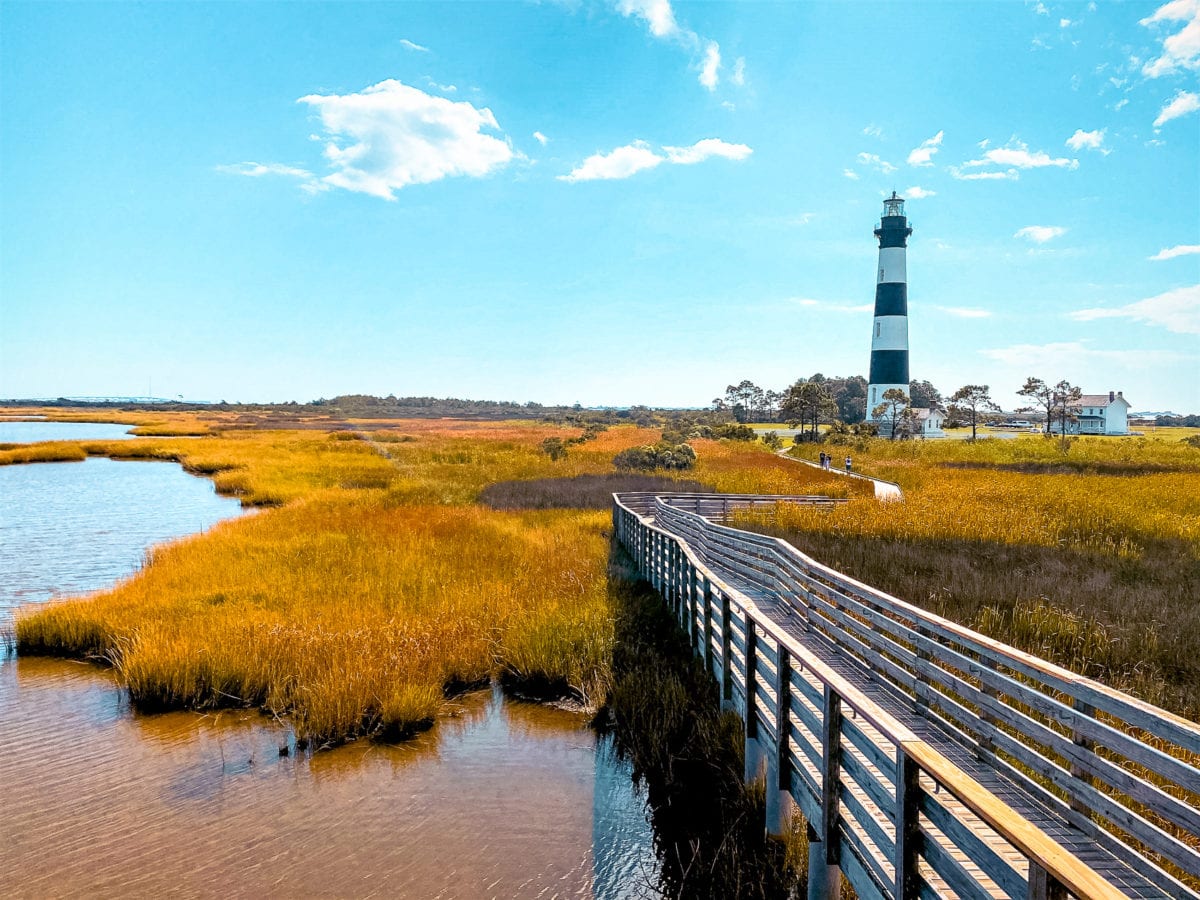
[32,432]
[503,800]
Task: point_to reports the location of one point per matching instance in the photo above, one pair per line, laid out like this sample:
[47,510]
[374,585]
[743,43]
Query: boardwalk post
[1043,885]
[754,751]
[825,876]
[780,803]
[908,831]
[707,599]
[726,653]
[1082,708]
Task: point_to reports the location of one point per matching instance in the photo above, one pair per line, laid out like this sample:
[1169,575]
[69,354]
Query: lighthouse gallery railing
[929,760]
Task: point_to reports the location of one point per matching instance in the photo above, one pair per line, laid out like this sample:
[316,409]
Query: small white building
[1098,414]
[927,423]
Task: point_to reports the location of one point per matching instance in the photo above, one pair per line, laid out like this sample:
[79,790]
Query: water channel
[504,799]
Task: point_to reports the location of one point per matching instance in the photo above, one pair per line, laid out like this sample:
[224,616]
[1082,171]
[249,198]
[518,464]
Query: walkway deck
[929,761]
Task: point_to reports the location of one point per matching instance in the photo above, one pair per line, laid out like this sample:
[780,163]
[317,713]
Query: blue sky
[603,201]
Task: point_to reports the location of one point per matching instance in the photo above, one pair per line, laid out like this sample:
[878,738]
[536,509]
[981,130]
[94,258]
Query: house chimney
[1111,397]
[1119,394]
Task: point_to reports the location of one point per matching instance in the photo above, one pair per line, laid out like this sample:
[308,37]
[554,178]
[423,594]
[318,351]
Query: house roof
[925,413]
[1098,400]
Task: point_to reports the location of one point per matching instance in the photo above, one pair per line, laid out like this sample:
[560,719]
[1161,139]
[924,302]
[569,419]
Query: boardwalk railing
[929,761]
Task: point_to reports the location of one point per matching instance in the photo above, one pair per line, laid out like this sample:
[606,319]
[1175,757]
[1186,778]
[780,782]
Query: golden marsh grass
[377,584]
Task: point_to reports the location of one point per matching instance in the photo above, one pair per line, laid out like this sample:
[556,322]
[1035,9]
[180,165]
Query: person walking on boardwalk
[848,465]
[824,460]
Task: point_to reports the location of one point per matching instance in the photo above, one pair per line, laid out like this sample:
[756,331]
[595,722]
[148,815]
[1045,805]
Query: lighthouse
[889,331]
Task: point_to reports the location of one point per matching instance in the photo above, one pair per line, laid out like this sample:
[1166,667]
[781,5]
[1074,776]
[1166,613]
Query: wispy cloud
[541,138]
[630,159]
[1180,50]
[1181,104]
[711,66]
[1040,234]
[1006,175]
[392,135]
[1018,156]
[1066,355]
[923,155]
[409,45]
[965,312]
[916,192]
[1177,311]
[257,170]
[706,149]
[873,131]
[1092,140]
[1177,250]
[660,20]
[851,174]
[739,72]
[872,160]
[831,305]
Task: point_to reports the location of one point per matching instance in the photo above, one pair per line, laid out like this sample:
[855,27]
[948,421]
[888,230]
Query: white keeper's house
[928,423]
[1098,414]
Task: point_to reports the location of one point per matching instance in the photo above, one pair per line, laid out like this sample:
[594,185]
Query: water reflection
[507,800]
[34,432]
[72,528]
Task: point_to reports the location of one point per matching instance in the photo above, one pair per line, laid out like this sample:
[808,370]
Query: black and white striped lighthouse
[889,336]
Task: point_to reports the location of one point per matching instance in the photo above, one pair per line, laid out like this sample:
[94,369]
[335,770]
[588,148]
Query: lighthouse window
[876,329]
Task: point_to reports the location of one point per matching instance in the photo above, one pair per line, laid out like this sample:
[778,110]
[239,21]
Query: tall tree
[1042,396]
[923,395]
[740,398]
[807,404]
[892,411]
[970,400]
[850,395]
[1064,400]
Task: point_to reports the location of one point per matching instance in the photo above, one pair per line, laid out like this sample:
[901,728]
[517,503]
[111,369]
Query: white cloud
[918,193]
[444,88]
[405,42]
[392,135]
[657,14]
[1041,9]
[873,160]
[983,145]
[1064,23]
[873,131]
[1180,105]
[711,66]
[660,19]
[739,72]
[966,312]
[1177,250]
[1090,139]
[1177,311]
[830,306]
[619,163]
[1040,234]
[1120,104]
[541,138]
[1066,355]
[257,170]
[1006,175]
[706,149]
[851,174]
[1017,155]
[923,154]
[636,157]
[1181,50]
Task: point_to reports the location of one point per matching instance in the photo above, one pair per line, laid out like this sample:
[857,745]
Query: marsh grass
[49,451]
[377,585]
[1088,557]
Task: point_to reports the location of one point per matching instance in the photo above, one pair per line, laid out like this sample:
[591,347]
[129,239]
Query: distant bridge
[929,761]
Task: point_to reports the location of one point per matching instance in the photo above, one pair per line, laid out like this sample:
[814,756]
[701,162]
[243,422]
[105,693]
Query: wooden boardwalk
[928,760]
